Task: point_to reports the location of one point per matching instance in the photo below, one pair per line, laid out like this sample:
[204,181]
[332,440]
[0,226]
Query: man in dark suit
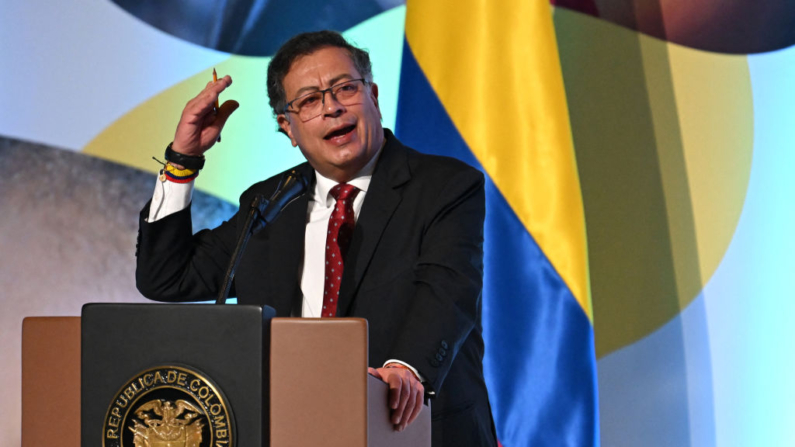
[408,238]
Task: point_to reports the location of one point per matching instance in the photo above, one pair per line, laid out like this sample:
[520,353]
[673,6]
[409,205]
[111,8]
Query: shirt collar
[361,180]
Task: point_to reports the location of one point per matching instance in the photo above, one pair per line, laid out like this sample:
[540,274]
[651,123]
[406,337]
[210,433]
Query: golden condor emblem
[170,430]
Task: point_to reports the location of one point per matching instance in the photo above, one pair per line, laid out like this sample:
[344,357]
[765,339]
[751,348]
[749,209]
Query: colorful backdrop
[639,184]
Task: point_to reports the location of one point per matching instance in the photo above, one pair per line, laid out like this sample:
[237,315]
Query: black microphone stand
[257,207]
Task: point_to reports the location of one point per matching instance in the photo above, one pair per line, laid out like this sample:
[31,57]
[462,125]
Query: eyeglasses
[311,105]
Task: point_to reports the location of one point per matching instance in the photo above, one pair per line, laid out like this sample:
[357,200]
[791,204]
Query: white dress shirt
[321,204]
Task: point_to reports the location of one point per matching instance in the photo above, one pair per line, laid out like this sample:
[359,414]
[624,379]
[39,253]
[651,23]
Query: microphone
[291,186]
[261,214]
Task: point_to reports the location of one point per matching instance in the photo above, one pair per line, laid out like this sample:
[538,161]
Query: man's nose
[332,107]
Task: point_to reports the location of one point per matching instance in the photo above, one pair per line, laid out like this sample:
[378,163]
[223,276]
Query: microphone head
[292,185]
[293,181]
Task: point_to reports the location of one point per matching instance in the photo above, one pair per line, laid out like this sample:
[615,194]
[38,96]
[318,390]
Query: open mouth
[339,132]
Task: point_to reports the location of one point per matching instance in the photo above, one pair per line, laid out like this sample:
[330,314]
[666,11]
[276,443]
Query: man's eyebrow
[334,81]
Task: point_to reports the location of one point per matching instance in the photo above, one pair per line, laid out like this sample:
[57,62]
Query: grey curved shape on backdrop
[68,228]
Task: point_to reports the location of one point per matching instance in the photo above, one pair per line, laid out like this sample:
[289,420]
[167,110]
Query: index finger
[399,414]
[395,385]
[209,96]
[215,88]
[225,81]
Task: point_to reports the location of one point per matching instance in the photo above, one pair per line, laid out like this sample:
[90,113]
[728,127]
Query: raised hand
[200,125]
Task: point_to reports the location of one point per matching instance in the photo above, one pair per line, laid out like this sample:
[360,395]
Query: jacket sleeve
[173,264]
[448,281]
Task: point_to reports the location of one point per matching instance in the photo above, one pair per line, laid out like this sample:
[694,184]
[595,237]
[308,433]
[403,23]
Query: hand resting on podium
[406,393]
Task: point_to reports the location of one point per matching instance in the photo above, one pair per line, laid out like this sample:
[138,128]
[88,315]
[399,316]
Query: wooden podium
[279,381]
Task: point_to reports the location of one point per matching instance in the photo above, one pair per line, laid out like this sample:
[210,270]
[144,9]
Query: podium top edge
[238,308]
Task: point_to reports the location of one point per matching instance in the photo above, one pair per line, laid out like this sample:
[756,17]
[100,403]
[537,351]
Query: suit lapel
[383,198]
[285,255]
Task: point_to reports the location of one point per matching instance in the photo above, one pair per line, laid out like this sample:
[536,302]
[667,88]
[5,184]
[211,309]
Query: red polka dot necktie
[338,238]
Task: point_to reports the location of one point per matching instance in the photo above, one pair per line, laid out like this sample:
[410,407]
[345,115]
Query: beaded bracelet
[180,172]
[175,175]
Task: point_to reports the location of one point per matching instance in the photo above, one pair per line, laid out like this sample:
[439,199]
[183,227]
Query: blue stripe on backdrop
[540,361]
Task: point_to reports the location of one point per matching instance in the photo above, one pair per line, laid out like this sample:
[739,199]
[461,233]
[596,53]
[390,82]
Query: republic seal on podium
[174,406]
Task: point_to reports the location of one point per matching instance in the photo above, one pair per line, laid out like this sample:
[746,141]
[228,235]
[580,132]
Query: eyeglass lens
[311,105]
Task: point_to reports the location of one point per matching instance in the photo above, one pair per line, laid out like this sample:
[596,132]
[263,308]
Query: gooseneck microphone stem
[262,213]
[257,206]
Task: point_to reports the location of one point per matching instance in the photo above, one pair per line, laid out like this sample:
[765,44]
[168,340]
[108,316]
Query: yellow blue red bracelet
[175,175]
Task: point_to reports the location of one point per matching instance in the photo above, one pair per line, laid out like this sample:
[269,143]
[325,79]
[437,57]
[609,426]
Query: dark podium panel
[130,349]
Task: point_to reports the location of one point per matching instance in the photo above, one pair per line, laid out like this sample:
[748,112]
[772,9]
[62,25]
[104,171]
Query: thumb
[224,112]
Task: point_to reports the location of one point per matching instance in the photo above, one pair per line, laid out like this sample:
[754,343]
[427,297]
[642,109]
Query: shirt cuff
[410,368]
[169,198]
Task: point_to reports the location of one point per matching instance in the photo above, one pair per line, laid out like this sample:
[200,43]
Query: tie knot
[343,191]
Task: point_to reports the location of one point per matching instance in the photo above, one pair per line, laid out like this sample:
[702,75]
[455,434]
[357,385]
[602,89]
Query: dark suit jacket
[413,270]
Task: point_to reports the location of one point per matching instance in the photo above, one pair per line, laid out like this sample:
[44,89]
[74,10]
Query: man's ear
[374,95]
[286,127]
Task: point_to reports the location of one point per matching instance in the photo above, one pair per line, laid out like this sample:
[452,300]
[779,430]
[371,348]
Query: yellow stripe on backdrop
[495,67]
